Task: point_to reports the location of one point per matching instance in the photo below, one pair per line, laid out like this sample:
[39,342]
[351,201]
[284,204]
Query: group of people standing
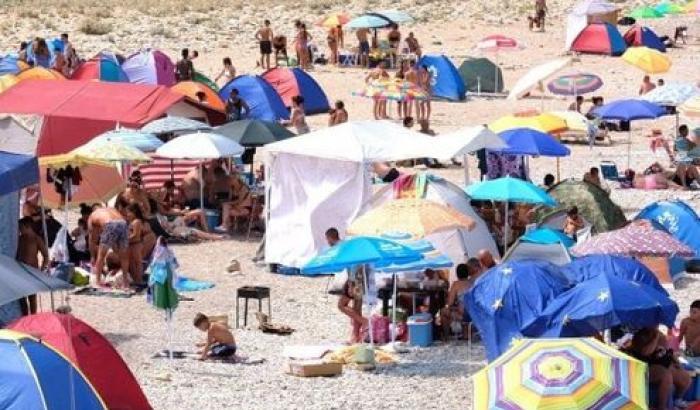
[59,55]
[417,77]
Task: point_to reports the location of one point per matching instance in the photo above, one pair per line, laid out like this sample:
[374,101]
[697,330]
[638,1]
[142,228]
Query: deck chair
[610,172]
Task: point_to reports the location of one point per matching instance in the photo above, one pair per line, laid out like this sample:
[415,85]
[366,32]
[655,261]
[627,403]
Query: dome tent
[481,75]
[599,38]
[678,219]
[290,82]
[638,36]
[264,102]
[102,67]
[150,67]
[445,79]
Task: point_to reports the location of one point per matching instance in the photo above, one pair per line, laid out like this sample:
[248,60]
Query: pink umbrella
[496,43]
[638,239]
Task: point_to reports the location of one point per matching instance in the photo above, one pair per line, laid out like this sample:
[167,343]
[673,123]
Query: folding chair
[610,172]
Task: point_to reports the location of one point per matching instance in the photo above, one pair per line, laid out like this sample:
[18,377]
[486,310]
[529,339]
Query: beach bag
[59,250]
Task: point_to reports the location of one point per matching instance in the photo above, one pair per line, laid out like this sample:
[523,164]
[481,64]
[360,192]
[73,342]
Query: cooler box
[420,330]
[213,218]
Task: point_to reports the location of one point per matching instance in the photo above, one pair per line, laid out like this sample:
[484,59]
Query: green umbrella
[201,78]
[645,12]
[669,8]
[254,133]
[163,295]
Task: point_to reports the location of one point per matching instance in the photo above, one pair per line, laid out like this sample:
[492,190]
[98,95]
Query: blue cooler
[420,330]
[213,218]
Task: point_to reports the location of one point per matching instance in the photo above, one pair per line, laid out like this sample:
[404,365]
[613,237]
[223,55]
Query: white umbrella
[467,140]
[200,145]
[536,76]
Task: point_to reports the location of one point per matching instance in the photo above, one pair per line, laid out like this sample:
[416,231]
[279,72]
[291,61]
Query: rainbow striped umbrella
[575,84]
[666,8]
[561,374]
[693,7]
[645,12]
[393,89]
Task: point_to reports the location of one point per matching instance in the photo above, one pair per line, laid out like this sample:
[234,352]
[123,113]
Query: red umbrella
[497,42]
[638,239]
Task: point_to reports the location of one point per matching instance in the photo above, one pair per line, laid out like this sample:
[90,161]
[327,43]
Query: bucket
[420,330]
[213,218]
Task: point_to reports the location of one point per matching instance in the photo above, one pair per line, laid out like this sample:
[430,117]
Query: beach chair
[610,172]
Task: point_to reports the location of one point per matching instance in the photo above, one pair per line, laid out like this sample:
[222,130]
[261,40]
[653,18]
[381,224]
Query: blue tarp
[510,295]
[17,171]
[676,218]
[264,102]
[446,81]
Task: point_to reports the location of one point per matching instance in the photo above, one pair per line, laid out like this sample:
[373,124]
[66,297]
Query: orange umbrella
[333,20]
[98,184]
[191,89]
[40,73]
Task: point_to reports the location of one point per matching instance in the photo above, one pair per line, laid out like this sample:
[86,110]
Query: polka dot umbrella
[561,374]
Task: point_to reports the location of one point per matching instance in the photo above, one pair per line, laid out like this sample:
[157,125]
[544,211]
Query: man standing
[107,229]
[264,36]
[363,38]
[184,69]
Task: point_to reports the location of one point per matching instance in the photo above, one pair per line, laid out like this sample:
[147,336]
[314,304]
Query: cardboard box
[314,368]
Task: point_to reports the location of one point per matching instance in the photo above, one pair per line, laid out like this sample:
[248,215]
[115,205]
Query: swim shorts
[115,234]
[364,47]
[222,350]
[266,47]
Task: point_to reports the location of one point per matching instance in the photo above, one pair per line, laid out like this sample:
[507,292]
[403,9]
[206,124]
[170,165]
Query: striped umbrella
[393,89]
[575,84]
[561,374]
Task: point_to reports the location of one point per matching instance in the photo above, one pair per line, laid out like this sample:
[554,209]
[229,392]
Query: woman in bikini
[136,221]
[297,117]
[302,47]
[228,72]
[333,41]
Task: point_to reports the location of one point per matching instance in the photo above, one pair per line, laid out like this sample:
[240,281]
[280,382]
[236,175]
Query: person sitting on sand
[338,115]
[573,223]
[647,85]
[593,177]
[219,344]
[655,178]
[107,229]
[690,330]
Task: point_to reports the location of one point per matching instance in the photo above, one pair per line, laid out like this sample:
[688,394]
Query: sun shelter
[535,76]
[586,12]
[10,64]
[92,353]
[290,82]
[677,218]
[599,38]
[555,253]
[481,75]
[264,102]
[73,112]
[192,89]
[150,67]
[102,67]
[638,36]
[16,172]
[444,78]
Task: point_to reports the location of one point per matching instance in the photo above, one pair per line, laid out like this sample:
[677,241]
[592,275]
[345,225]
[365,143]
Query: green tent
[201,78]
[481,75]
[594,205]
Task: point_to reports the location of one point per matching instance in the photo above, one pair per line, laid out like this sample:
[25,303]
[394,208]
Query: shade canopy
[575,122]
[497,42]
[526,141]
[646,12]
[99,184]
[672,94]
[510,189]
[254,133]
[333,20]
[369,20]
[200,145]
[20,280]
[547,236]
[111,151]
[535,76]
[629,110]
[194,90]
[562,374]
[17,171]
[142,141]
[172,124]
[397,16]
[649,60]
[469,139]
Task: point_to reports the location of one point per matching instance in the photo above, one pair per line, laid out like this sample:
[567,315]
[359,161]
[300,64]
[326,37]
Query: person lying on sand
[220,342]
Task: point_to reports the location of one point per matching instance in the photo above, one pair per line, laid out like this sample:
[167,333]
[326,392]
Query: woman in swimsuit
[332,41]
[394,38]
[302,47]
[350,303]
[298,117]
[136,221]
[241,204]
[228,72]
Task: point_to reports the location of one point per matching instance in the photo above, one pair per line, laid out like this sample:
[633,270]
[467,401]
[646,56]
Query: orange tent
[191,88]
[40,73]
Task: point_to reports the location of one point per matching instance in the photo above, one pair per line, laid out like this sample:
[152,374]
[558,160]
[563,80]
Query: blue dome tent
[264,102]
[639,36]
[290,82]
[446,81]
[676,218]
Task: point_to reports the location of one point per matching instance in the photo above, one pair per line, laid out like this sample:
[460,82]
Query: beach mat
[111,293]
[185,284]
[178,354]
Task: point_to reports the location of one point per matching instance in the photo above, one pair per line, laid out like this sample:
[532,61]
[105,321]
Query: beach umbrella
[546,122]
[508,296]
[418,217]
[666,8]
[396,16]
[638,239]
[20,280]
[162,275]
[142,141]
[334,20]
[528,141]
[99,184]
[647,59]
[111,151]
[691,108]
[392,89]
[575,122]
[171,124]
[601,303]
[7,81]
[497,43]
[200,145]
[575,84]
[672,94]
[36,376]
[693,7]
[536,75]
[40,73]
[645,12]
[254,133]
[508,190]
[586,267]
[70,159]
[369,20]
[629,110]
[548,236]
[561,374]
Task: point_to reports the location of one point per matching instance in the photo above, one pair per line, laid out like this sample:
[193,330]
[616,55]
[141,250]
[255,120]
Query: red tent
[91,353]
[76,111]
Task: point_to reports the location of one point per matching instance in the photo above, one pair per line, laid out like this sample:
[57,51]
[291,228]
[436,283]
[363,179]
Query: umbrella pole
[629,146]
[558,171]
[505,231]
[393,312]
[467,179]
[369,319]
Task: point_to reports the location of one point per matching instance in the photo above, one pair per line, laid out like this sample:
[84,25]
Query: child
[220,342]
[30,245]
[573,222]
[690,330]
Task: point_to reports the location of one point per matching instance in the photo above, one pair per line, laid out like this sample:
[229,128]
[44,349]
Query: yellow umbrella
[417,217]
[547,123]
[576,123]
[72,159]
[690,108]
[333,20]
[110,151]
[7,81]
[648,60]
[561,374]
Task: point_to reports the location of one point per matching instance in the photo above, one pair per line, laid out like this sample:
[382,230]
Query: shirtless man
[134,193]
[190,188]
[264,37]
[646,86]
[30,245]
[363,39]
[486,259]
[107,229]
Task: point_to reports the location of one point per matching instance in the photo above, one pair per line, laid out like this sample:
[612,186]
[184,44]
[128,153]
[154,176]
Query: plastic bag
[59,250]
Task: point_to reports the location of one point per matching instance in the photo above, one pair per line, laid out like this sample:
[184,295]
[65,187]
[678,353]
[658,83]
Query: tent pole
[393,313]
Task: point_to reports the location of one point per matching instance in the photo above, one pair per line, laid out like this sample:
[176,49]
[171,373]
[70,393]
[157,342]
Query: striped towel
[162,169]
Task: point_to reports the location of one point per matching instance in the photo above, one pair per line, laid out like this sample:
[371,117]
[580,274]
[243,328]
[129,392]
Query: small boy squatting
[220,342]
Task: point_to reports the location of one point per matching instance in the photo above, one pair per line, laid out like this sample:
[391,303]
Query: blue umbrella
[601,303]
[587,267]
[17,171]
[629,110]
[142,141]
[396,16]
[369,20]
[361,250]
[548,236]
[510,295]
[526,141]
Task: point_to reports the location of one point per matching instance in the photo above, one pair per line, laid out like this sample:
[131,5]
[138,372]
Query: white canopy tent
[586,12]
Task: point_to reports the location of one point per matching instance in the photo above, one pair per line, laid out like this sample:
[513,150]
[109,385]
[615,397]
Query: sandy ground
[425,378]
